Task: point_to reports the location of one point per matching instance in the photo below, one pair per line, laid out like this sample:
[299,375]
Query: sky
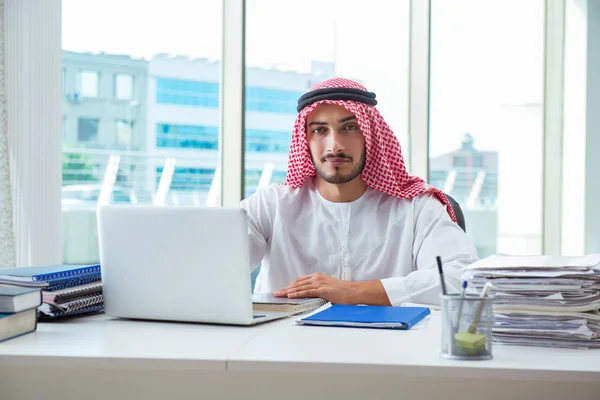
[486,61]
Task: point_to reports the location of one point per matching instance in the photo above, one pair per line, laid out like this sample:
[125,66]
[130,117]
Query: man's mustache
[339,155]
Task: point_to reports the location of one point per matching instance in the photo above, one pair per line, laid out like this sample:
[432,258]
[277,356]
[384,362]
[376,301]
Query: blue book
[17,324]
[386,317]
[40,275]
[16,299]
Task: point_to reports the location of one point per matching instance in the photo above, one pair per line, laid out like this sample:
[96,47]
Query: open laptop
[177,264]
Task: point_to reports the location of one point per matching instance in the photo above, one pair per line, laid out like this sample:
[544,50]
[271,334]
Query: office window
[122,67]
[287,56]
[88,83]
[486,115]
[87,129]
[123,86]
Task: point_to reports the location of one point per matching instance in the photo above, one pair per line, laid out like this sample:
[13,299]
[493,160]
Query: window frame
[232,109]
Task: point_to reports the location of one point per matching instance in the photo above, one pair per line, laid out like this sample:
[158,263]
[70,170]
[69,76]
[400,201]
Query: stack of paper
[543,300]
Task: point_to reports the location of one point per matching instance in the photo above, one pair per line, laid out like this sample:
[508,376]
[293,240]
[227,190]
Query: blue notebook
[385,317]
[41,275]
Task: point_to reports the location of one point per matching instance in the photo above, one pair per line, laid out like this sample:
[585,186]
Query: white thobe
[295,232]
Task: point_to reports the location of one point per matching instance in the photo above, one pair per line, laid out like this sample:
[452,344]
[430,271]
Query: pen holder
[467,327]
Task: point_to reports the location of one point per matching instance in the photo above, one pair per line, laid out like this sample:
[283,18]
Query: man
[349,224]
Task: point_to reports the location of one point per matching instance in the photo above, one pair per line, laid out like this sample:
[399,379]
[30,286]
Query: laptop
[177,264]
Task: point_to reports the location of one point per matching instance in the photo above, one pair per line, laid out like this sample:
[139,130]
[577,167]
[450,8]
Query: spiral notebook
[51,277]
[60,314]
[268,303]
[72,305]
[45,273]
[66,294]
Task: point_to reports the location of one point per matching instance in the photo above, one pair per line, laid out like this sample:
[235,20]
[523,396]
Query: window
[87,129]
[272,100]
[123,86]
[189,178]
[486,118]
[124,133]
[88,83]
[187,136]
[309,49]
[131,116]
[267,141]
[187,93]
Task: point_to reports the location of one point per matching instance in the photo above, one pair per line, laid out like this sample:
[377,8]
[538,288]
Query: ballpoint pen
[460,307]
[443,283]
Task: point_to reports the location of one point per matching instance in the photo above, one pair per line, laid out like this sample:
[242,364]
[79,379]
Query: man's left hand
[320,285]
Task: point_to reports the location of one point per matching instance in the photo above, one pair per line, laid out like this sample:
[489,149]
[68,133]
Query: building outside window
[123,86]
[87,129]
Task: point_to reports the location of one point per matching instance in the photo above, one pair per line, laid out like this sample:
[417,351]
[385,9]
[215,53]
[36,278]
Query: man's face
[336,144]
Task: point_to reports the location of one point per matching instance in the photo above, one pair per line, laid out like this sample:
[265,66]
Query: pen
[439,264]
[460,307]
[484,293]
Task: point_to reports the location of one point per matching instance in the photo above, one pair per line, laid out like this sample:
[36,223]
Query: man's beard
[337,178]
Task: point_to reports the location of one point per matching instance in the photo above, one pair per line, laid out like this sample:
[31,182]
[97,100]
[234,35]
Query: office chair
[460,217]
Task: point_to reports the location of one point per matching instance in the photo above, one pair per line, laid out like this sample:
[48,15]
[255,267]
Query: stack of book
[18,311]
[549,301]
[66,290]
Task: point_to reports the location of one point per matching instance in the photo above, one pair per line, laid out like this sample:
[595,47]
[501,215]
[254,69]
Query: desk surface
[103,341]
[100,341]
[415,352]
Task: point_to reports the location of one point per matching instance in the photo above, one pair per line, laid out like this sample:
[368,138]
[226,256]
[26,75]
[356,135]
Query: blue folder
[385,317]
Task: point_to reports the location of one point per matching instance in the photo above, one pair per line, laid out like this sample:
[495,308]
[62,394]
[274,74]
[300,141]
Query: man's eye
[351,127]
[318,130]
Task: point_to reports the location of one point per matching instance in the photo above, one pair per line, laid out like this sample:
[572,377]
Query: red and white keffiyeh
[384,169]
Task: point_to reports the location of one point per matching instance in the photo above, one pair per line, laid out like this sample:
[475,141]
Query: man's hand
[336,291]
[318,285]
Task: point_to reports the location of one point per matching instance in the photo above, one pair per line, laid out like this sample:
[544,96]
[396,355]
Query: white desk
[102,358]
